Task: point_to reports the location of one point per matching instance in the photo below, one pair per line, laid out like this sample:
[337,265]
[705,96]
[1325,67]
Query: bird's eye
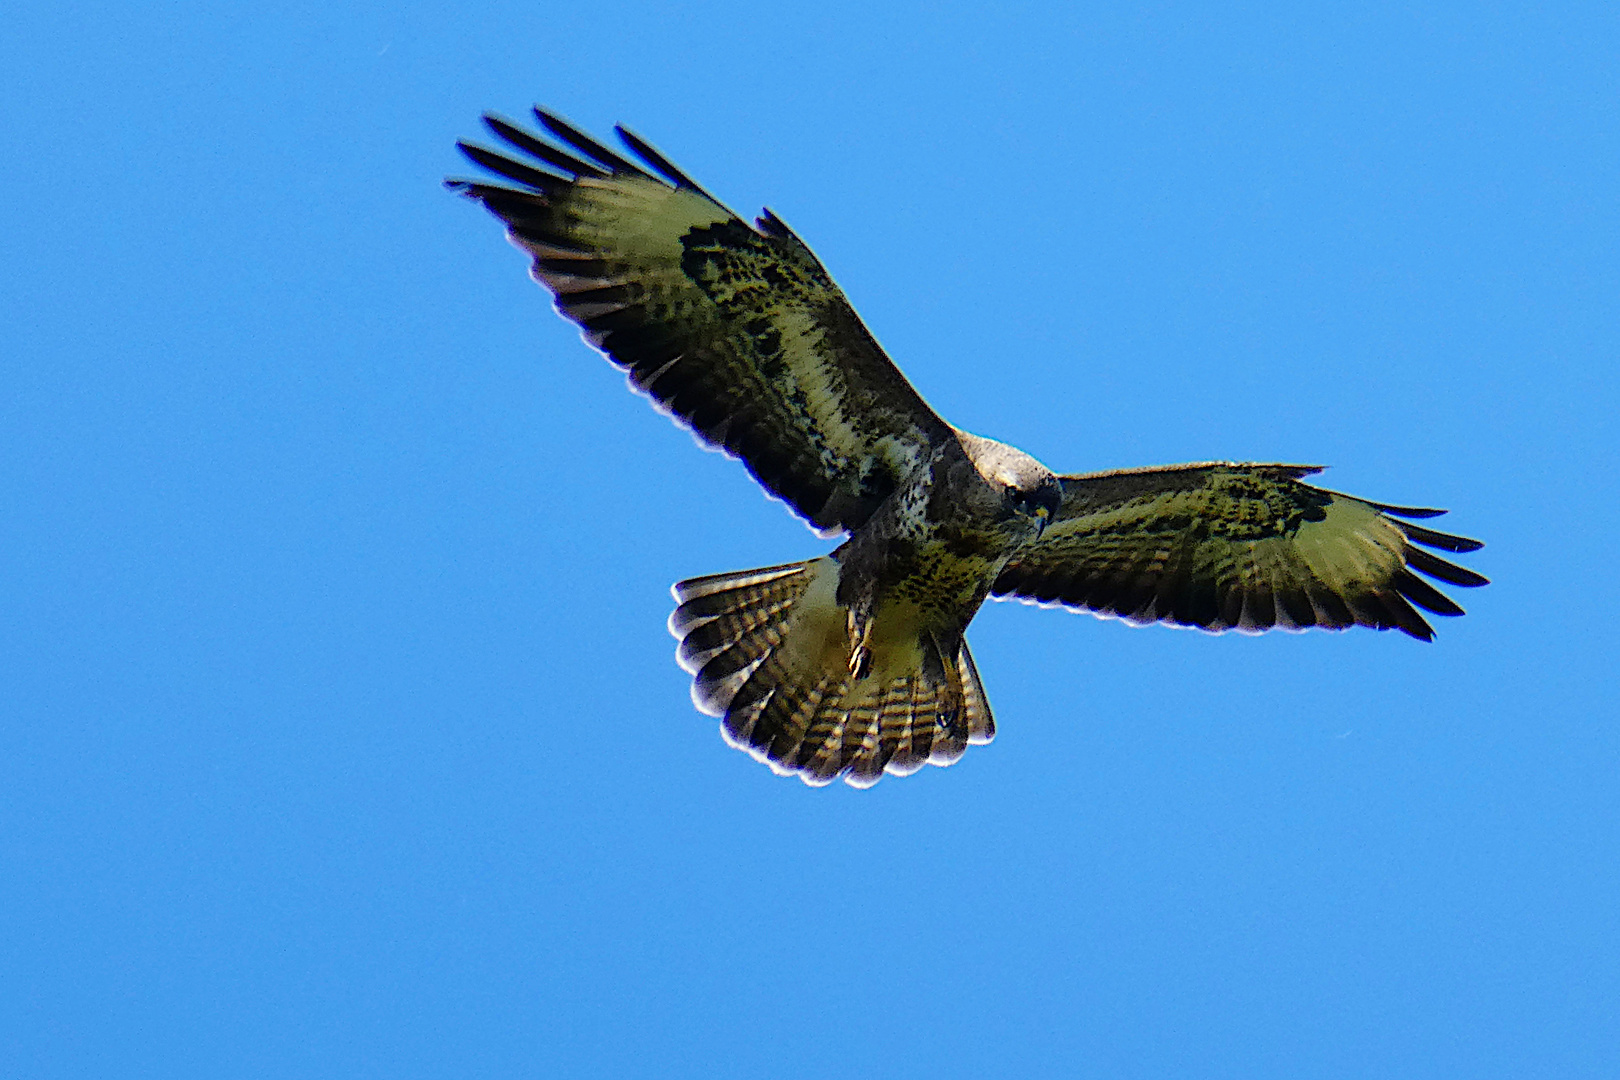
[1021,501]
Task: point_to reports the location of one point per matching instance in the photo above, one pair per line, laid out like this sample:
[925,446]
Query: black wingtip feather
[1407,511]
[587,145]
[645,151]
[544,151]
[1436,567]
[1444,541]
[512,170]
[1407,619]
[771,225]
[1386,609]
[1424,595]
[509,204]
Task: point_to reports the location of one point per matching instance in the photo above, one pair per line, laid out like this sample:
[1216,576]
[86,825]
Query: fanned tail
[770,651]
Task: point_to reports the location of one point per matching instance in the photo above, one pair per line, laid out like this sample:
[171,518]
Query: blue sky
[340,732]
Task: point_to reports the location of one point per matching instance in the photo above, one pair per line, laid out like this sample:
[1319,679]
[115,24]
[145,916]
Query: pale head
[1028,489]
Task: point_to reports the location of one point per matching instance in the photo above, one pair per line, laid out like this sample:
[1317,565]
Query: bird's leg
[950,708]
[859,622]
[858,566]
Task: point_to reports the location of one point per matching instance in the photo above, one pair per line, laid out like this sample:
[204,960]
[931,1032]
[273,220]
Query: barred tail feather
[769,651]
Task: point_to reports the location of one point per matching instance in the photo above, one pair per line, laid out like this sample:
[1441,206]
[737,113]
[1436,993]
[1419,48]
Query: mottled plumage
[855,664]
[1222,546]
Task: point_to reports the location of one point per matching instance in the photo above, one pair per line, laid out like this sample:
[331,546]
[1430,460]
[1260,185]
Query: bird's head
[1035,497]
[1030,492]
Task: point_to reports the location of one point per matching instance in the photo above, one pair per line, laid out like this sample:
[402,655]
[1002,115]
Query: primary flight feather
[855,664]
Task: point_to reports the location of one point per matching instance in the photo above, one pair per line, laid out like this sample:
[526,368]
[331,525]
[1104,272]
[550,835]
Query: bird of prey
[854,664]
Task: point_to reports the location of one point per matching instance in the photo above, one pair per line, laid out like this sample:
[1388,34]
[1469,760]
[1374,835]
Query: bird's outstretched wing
[734,329]
[1223,546]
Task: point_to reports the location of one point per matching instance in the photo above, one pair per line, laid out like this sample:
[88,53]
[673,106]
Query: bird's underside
[855,664]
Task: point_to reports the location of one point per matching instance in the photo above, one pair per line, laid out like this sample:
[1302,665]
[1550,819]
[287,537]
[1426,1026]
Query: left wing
[1223,546]
[735,330]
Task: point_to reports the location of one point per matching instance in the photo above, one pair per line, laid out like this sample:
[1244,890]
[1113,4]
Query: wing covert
[1236,546]
[737,331]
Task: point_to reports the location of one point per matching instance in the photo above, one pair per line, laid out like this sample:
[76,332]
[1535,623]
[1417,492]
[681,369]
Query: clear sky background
[340,731]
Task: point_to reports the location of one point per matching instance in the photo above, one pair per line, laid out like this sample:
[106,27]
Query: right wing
[737,331]
[1222,546]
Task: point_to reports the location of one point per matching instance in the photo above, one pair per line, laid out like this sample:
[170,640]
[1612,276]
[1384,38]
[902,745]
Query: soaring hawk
[854,664]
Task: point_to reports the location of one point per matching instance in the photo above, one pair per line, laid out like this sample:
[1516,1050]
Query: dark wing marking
[1222,546]
[736,331]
